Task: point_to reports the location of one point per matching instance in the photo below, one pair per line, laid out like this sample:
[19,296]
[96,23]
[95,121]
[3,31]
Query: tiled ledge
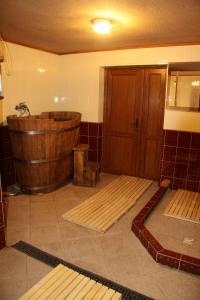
[163,256]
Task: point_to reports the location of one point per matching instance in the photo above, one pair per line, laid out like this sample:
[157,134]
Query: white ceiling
[65,26]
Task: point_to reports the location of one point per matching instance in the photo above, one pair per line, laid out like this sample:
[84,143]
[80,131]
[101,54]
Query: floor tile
[36,270]
[44,234]
[43,213]
[16,233]
[117,255]
[11,288]
[13,263]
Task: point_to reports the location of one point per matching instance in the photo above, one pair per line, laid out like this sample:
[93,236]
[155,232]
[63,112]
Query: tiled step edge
[161,255]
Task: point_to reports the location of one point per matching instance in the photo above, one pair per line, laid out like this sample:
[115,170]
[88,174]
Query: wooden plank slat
[194,212]
[66,292]
[178,203]
[45,279]
[116,296]
[187,207]
[93,292]
[99,199]
[181,210]
[78,289]
[86,290]
[102,210]
[194,201]
[108,294]
[197,218]
[117,212]
[184,205]
[64,283]
[47,289]
[110,188]
[106,211]
[101,292]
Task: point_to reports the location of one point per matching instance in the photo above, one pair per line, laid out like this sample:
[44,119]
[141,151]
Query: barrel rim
[77,116]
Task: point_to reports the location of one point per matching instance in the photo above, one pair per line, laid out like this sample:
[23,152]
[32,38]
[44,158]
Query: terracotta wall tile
[182,155]
[171,137]
[7,167]
[180,171]
[84,139]
[193,185]
[91,133]
[184,139]
[93,143]
[169,153]
[194,157]
[181,159]
[84,128]
[92,155]
[195,143]
[93,129]
[168,168]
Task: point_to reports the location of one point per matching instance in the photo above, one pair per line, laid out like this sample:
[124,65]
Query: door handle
[135,124]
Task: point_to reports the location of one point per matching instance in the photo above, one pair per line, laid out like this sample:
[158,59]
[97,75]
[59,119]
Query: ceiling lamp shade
[102,26]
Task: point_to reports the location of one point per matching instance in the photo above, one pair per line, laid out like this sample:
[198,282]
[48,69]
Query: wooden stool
[85,172]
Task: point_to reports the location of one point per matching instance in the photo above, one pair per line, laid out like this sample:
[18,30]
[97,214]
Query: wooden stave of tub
[42,148]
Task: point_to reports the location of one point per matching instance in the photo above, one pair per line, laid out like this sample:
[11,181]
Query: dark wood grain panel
[42,147]
[123,104]
[133,120]
[152,122]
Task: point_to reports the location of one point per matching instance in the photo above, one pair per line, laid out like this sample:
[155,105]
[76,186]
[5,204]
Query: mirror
[184,86]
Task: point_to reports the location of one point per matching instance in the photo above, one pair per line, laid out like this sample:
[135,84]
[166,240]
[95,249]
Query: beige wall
[81,84]
[77,80]
[26,83]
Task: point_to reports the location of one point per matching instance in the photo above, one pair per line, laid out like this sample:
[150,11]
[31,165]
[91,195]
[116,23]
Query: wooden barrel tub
[42,147]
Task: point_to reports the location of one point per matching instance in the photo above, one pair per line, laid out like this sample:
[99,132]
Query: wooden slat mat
[102,210]
[185,205]
[64,283]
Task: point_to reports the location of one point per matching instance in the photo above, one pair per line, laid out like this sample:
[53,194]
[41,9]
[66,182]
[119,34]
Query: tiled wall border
[161,255]
[7,167]
[180,161]
[180,158]
[2,218]
[91,134]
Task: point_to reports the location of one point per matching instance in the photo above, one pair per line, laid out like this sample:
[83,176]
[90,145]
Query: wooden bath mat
[53,261]
[103,209]
[185,205]
[65,283]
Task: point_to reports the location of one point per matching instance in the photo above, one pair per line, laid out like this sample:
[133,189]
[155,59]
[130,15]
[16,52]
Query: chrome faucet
[22,108]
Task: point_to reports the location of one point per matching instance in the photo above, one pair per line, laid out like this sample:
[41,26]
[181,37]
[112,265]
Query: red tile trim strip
[163,256]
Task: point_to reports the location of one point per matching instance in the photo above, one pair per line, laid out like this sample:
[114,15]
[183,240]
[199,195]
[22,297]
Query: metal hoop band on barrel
[46,188]
[42,161]
[37,132]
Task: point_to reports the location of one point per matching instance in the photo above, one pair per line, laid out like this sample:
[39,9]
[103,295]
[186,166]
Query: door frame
[105,102]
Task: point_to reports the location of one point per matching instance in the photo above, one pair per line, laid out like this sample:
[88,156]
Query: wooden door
[133,121]
[123,105]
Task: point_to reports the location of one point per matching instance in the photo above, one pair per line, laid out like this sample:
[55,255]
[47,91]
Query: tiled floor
[117,254]
[174,234]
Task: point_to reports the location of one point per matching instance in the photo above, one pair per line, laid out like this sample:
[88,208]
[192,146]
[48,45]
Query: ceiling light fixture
[102,26]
